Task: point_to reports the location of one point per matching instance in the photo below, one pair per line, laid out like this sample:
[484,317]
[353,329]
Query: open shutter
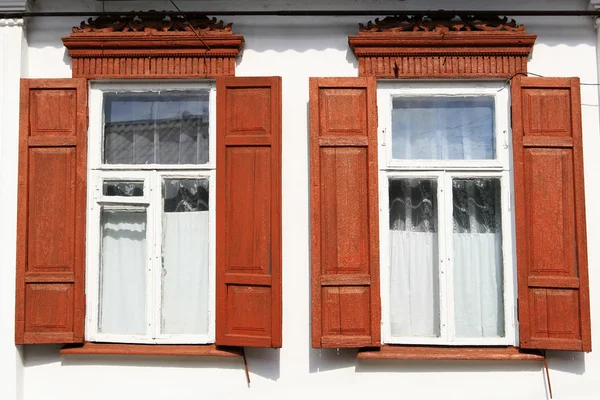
[50,303]
[346,306]
[554,310]
[249,211]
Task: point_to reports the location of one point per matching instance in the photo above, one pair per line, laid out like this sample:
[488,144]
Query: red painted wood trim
[152,350]
[397,352]
[554,309]
[346,303]
[160,55]
[431,55]
[50,297]
[249,298]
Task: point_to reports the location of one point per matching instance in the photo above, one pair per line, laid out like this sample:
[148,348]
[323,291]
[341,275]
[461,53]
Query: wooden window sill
[153,350]
[398,352]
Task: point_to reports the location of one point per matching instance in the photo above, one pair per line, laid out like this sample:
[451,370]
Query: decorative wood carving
[431,47]
[424,23]
[115,23]
[153,47]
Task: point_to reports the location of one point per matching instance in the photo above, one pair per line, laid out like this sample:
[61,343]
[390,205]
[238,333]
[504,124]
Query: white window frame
[444,171]
[152,175]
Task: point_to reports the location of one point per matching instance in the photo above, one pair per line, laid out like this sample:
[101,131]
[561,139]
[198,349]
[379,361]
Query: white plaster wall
[296,49]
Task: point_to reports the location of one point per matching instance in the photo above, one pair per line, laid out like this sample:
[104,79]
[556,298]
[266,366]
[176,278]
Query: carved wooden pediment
[153,23]
[424,23]
[153,46]
[442,46]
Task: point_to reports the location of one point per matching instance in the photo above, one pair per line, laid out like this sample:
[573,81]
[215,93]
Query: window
[445,222]
[151,213]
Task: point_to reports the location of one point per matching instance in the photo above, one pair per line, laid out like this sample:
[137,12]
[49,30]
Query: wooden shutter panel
[346,306]
[554,310]
[50,303]
[249,212]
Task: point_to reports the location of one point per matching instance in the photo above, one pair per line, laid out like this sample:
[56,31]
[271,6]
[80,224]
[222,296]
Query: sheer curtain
[413,256]
[443,128]
[185,255]
[477,242]
[123,272]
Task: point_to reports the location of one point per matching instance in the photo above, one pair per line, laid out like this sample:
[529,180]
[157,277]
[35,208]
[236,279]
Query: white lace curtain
[184,269]
[415,298]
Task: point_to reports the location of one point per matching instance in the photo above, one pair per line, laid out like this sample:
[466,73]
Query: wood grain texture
[249,213]
[464,54]
[447,353]
[157,55]
[554,310]
[152,350]
[344,213]
[50,299]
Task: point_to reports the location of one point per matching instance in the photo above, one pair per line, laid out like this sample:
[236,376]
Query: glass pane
[168,127]
[123,272]
[415,308]
[185,261]
[477,242]
[123,188]
[443,128]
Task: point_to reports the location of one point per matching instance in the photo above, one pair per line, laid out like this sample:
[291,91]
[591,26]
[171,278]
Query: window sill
[395,352]
[153,350]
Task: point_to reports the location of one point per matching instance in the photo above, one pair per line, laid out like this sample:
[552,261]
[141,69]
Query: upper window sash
[96,123]
[388,90]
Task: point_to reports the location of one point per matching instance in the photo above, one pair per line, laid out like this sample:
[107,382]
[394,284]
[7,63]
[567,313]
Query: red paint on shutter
[346,306]
[50,299]
[554,309]
[249,212]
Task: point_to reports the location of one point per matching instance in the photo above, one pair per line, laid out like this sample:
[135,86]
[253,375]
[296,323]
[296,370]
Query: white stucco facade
[294,48]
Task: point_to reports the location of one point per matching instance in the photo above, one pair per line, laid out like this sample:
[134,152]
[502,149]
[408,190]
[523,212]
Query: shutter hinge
[517,309]
[510,117]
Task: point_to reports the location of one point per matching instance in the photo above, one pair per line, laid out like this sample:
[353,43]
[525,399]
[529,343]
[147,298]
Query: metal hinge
[517,309]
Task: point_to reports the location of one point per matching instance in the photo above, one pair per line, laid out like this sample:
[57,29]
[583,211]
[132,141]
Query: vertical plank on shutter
[50,304]
[346,303]
[249,212]
[554,309]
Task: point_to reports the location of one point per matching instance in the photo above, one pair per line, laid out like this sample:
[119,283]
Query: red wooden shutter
[346,307]
[50,303]
[249,211]
[554,310]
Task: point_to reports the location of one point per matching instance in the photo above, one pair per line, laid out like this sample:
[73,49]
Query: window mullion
[449,257]
[443,273]
[151,270]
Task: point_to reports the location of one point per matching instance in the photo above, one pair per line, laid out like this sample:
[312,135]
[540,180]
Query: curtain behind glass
[168,127]
[185,252]
[477,242]
[443,128]
[122,306]
[414,271]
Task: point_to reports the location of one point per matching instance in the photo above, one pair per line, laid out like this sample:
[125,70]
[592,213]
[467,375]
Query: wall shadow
[264,362]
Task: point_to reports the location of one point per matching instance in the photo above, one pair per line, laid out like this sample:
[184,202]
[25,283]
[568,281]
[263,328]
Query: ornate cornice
[432,47]
[4,22]
[153,24]
[153,47]
[424,23]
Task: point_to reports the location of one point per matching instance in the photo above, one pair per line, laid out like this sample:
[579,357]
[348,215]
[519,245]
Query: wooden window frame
[151,175]
[461,47]
[191,47]
[444,171]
